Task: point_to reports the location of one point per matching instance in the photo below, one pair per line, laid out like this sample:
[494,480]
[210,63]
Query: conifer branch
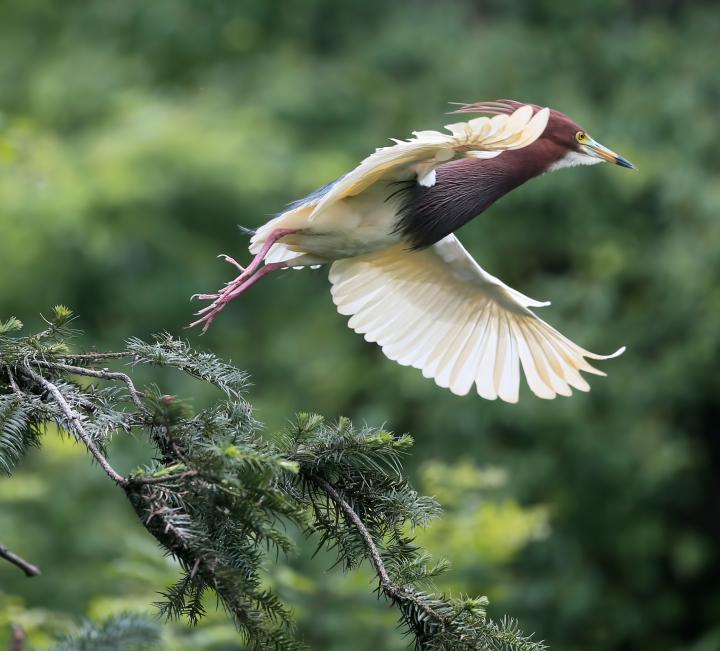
[29,569]
[88,372]
[13,381]
[217,495]
[76,426]
[372,549]
[122,632]
[96,357]
[391,590]
[167,479]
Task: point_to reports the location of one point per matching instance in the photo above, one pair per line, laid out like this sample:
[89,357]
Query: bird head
[563,143]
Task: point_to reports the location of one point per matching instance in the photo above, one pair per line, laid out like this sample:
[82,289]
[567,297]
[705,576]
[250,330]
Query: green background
[135,136]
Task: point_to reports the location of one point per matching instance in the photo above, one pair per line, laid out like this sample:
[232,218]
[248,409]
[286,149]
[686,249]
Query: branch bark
[140,481]
[13,382]
[29,569]
[77,428]
[103,375]
[96,357]
[394,592]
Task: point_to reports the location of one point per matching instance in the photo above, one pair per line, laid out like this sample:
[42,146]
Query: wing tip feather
[551,364]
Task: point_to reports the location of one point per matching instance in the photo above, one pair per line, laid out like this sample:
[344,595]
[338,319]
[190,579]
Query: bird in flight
[404,279]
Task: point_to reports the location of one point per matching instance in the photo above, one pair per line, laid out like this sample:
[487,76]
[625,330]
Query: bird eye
[581,137]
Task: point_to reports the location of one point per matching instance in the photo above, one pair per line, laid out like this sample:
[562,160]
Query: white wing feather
[439,311]
[481,137]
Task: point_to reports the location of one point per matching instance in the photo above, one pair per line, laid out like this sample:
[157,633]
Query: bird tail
[246,231]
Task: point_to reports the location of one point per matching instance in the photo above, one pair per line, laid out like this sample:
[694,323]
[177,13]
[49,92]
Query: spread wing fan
[439,311]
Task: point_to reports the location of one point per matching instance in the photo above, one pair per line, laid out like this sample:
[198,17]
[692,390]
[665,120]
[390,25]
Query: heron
[386,228]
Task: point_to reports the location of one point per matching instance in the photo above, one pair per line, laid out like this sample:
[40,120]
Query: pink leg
[232,261]
[267,245]
[246,279]
[231,292]
[253,266]
[246,274]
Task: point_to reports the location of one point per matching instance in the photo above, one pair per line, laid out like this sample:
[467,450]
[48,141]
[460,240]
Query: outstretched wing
[439,311]
[480,137]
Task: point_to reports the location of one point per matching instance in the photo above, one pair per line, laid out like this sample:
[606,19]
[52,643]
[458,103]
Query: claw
[231,261]
[204,297]
[208,308]
[206,319]
[248,277]
[198,322]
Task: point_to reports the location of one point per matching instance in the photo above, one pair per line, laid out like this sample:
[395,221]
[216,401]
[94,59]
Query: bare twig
[13,383]
[195,568]
[349,512]
[28,568]
[77,427]
[103,375]
[98,356]
[393,591]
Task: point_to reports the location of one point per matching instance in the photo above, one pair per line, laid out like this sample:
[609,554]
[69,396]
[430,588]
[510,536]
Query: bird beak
[594,148]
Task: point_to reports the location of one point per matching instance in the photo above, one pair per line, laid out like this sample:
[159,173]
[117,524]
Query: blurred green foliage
[134,136]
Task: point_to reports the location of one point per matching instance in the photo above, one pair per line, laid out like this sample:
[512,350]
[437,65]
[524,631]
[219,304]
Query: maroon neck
[466,187]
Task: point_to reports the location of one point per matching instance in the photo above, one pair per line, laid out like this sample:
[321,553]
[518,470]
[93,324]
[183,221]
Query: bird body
[352,226]
[401,275]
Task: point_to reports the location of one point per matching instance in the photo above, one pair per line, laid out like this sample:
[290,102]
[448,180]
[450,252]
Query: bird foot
[247,278]
[232,261]
[231,291]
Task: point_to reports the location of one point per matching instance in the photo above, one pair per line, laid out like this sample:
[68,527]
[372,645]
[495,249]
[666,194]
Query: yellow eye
[581,137]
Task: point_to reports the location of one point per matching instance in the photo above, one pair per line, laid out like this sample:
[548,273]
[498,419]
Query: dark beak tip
[623,162]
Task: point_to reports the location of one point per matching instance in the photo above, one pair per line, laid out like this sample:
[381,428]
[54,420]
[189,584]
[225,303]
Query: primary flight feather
[386,228]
